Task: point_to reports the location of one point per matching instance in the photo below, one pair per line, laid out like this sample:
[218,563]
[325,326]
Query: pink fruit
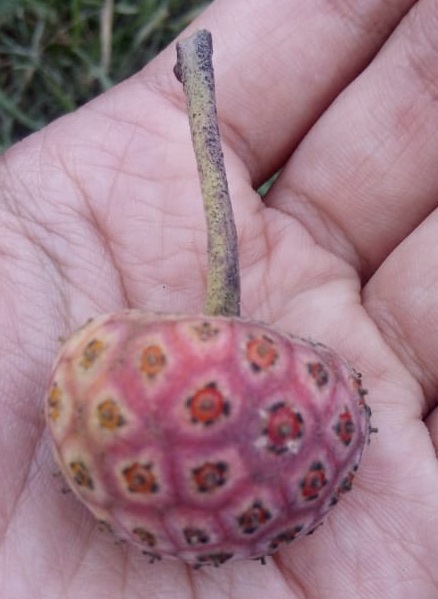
[204,438]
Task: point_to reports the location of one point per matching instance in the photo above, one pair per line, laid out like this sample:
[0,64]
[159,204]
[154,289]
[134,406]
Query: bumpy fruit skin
[204,438]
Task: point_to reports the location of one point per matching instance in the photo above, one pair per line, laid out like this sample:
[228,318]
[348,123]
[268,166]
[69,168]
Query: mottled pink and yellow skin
[204,438]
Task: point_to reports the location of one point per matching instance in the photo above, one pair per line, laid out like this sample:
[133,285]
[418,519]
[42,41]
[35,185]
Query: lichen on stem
[194,69]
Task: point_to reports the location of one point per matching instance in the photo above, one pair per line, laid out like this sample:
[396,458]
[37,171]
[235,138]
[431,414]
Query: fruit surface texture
[204,438]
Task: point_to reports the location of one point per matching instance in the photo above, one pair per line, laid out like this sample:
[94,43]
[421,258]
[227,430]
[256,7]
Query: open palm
[102,211]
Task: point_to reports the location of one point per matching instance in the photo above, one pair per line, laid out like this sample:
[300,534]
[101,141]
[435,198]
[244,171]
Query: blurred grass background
[57,54]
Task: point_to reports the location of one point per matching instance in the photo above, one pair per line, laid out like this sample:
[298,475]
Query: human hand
[102,211]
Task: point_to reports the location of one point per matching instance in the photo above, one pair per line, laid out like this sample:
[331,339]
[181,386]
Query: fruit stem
[194,69]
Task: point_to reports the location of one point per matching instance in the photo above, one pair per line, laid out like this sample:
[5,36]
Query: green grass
[57,54]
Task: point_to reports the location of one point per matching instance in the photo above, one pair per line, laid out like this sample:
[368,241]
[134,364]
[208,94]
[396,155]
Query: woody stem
[194,69]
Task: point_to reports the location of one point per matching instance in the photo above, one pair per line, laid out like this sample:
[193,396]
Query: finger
[402,299]
[366,174]
[278,68]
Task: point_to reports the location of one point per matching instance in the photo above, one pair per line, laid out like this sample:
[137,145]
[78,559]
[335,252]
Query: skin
[102,211]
